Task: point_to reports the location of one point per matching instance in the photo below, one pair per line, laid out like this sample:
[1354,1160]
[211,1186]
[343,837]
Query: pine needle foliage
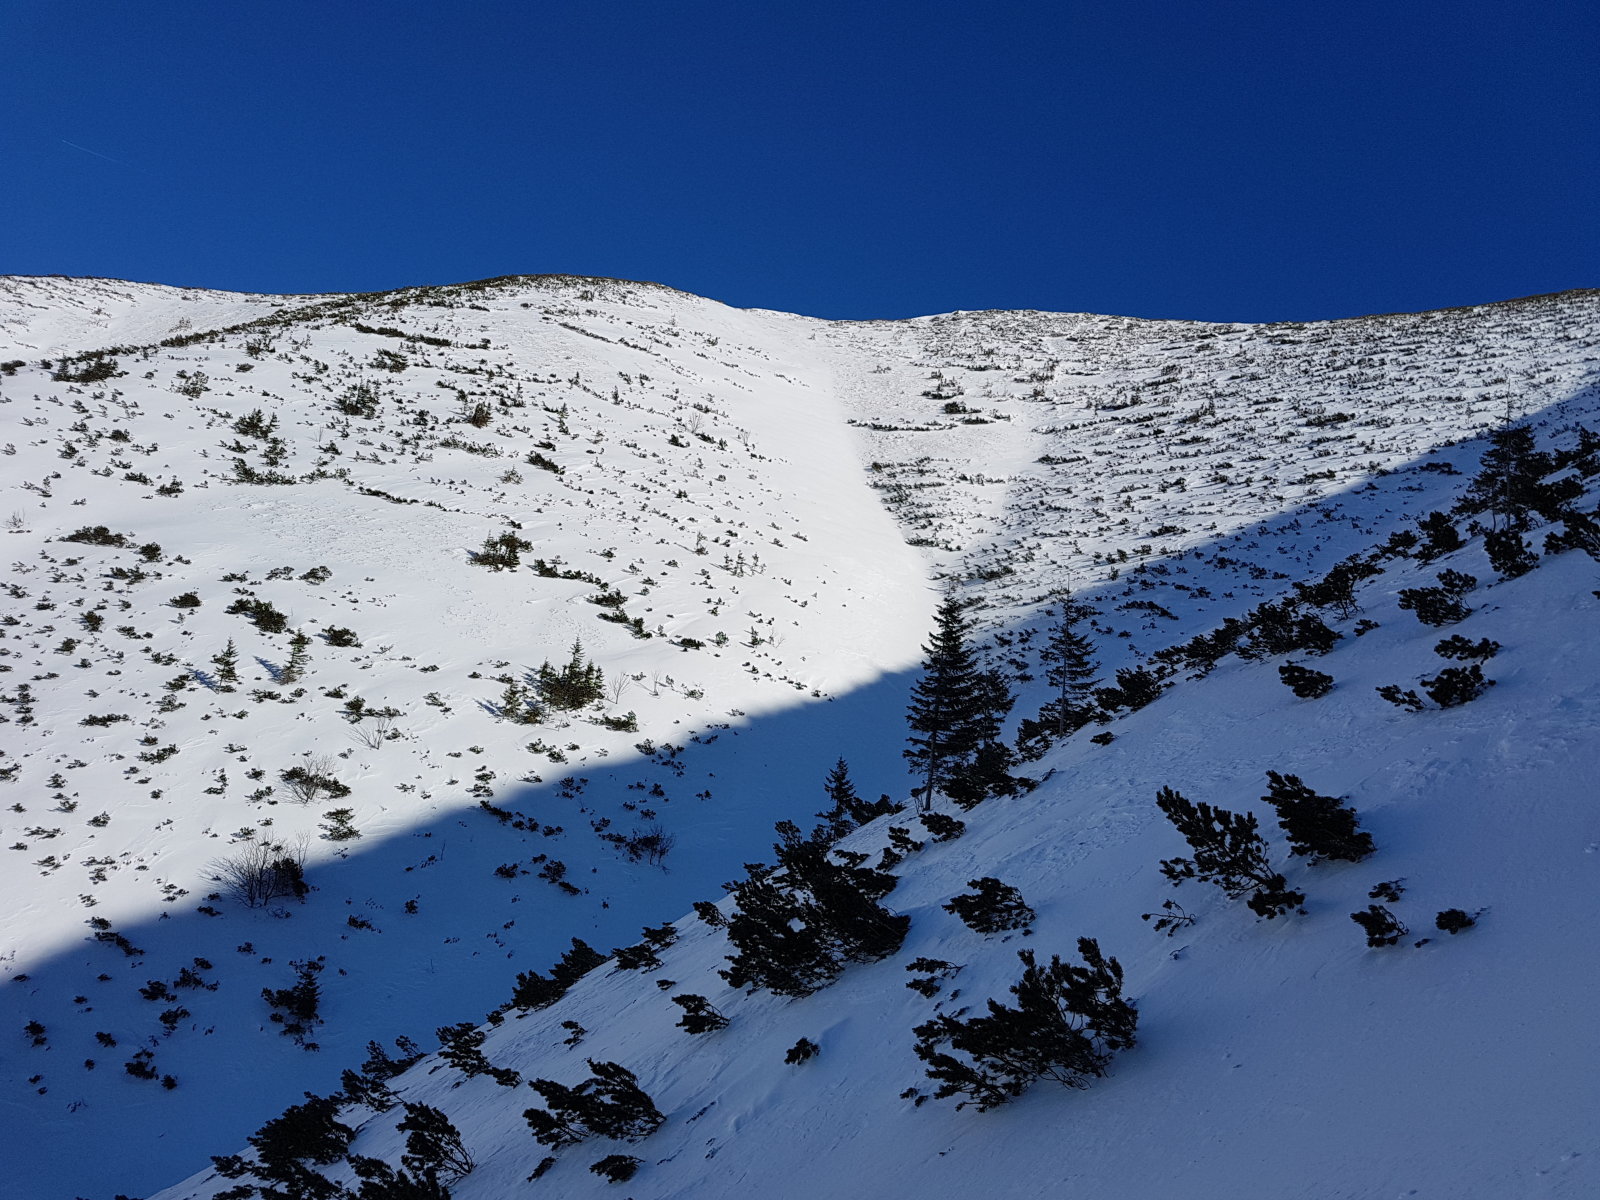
[797,925]
[609,1104]
[1229,852]
[1318,827]
[1067,1024]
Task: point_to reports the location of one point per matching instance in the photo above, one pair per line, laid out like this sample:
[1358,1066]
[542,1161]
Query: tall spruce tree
[1068,659]
[988,771]
[946,716]
[848,809]
[1507,482]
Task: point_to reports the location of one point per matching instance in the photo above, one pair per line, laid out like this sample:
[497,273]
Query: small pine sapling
[299,658]
[1229,852]
[617,1168]
[802,1051]
[1454,920]
[1463,649]
[992,907]
[1455,686]
[1318,827]
[1304,682]
[1382,927]
[1172,918]
[1406,699]
[699,1015]
[1068,1023]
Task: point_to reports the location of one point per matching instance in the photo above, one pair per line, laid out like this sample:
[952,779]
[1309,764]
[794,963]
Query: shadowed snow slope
[745,519]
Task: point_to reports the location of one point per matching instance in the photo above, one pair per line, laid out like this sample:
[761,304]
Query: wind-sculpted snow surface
[737,523]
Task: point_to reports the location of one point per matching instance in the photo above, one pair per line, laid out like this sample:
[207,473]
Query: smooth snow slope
[713,476]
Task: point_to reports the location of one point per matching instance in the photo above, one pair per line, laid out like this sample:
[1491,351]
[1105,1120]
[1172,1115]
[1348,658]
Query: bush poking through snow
[646,955]
[1465,650]
[295,1007]
[1457,685]
[1508,553]
[433,1146]
[1173,917]
[943,828]
[1406,698]
[1068,1023]
[314,781]
[1434,605]
[462,1047]
[1304,682]
[699,1015]
[1382,927]
[309,1132]
[617,1168]
[992,907]
[380,1181]
[609,1104]
[1227,852]
[1318,827]
[802,1051]
[534,990]
[262,872]
[1454,920]
[797,925]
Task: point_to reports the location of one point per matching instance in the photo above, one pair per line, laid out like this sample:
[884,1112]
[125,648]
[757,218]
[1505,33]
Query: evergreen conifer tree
[433,1145]
[1067,1024]
[1229,852]
[988,771]
[1319,827]
[1068,659]
[227,664]
[946,715]
[1507,482]
[991,906]
[1440,537]
[797,925]
[299,657]
[848,809]
[577,685]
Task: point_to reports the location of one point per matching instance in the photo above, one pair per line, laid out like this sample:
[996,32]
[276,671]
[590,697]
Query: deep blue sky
[1221,159]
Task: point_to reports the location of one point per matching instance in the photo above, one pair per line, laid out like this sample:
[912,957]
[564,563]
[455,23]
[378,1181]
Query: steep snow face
[744,518]
[1276,1058]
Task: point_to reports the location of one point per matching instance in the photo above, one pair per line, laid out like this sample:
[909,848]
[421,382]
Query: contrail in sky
[96,153]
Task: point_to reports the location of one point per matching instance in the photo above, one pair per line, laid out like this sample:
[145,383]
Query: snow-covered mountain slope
[707,500]
[1274,1059]
[54,315]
